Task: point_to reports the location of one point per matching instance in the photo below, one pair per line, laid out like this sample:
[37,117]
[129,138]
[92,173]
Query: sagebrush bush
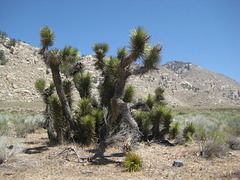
[7,153]
[211,141]
[133,162]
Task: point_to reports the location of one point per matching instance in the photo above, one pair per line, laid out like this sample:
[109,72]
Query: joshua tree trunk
[59,87]
[49,125]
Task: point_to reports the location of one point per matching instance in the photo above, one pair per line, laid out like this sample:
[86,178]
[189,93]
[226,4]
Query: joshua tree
[120,70]
[53,59]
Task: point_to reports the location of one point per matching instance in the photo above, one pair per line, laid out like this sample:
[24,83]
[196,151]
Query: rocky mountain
[185,84]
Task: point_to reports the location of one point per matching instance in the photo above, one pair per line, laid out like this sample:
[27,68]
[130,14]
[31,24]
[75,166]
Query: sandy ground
[41,161]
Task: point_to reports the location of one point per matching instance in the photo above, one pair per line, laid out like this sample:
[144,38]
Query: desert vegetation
[116,132]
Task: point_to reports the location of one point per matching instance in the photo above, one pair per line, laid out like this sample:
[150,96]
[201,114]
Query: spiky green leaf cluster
[107,88]
[47,37]
[86,129]
[122,53]
[150,101]
[133,162]
[83,83]
[159,94]
[138,40]
[67,87]
[101,50]
[57,113]
[128,94]
[84,107]
[68,57]
[97,113]
[143,122]
[189,130]
[175,129]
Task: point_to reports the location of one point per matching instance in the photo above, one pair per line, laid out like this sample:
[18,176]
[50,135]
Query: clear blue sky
[204,32]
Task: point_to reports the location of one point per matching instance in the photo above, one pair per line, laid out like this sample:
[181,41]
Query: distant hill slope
[185,84]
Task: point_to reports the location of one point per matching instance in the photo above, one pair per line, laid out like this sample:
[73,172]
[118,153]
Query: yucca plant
[189,130]
[84,107]
[144,123]
[167,119]
[58,118]
[175,129]
[133,162]
[150,101]
[159,94]
[86,130]
[156,115]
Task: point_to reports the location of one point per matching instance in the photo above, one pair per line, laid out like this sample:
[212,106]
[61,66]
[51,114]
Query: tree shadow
[100,159]
[36,150]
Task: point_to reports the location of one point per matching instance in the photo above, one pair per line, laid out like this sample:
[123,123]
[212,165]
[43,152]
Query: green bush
[189,130]
[211,141]
[175,129]
[12,42]
[133,162]
[40,85]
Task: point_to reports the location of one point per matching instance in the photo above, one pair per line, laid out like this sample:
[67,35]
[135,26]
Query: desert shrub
[144,123]
[211,141]
[3,60]
[12,42]
[5,152]
[133,162]
[175,129]
[40,85]
[3,35]
[189,130]
[27,124]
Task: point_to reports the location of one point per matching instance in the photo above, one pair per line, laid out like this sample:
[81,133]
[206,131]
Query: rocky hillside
[185,84]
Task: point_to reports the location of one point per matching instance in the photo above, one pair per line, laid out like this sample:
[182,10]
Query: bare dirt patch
[39,160]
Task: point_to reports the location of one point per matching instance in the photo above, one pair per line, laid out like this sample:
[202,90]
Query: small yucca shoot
[189,130]
[174,130]
[133,162]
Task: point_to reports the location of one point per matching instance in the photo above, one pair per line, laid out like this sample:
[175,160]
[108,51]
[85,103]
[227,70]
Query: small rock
[178,163]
